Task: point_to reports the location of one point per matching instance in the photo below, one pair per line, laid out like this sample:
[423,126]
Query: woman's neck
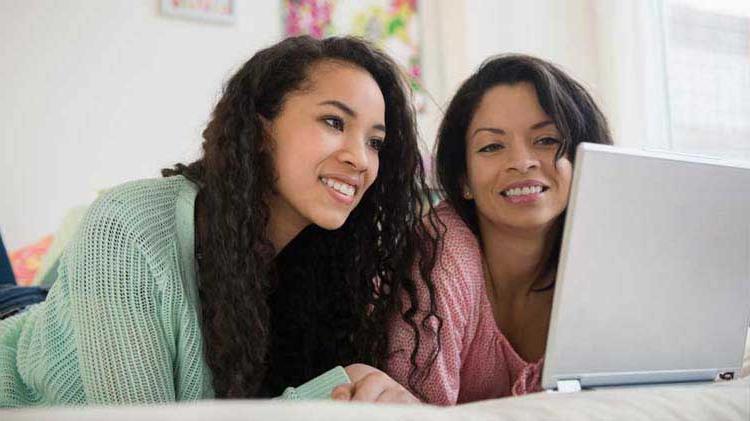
[284,224]
[516,258]
[280,232]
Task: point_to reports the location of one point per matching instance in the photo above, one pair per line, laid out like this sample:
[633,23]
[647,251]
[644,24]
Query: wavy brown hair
[327,297]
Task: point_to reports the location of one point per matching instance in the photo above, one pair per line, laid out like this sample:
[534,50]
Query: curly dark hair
[326,299]
[566,101]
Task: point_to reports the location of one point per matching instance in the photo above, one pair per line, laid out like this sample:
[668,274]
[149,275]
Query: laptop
[653,283]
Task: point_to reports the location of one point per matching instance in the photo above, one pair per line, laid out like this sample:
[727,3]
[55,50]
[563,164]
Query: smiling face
[325,143]
[512,174]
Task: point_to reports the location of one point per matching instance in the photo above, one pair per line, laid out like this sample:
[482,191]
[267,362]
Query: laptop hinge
[569,386]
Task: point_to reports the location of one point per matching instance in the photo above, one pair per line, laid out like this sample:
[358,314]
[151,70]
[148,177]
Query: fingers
[398,396]
[370,387]
[342,392]
[357,372]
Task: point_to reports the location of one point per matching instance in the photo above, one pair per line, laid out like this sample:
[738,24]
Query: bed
[728,400]
[724,401]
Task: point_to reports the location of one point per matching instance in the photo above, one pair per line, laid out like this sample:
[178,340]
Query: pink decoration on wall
[392,25]
[27,260]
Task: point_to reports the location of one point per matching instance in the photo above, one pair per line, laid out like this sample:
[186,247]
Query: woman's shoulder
[144,211]
[454,236]
[459,256]
[130,236]
[135,201]
[145,193]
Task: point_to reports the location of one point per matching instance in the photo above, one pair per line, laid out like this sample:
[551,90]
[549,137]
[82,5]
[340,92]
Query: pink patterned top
[476,361]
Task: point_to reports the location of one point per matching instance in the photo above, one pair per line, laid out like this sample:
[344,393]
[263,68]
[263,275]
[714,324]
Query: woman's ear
[266,123]
[466,191]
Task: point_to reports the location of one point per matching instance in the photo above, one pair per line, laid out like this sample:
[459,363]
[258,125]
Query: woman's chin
[533,223]
[330,222]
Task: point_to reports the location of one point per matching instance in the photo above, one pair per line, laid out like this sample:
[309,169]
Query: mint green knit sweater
[121,323]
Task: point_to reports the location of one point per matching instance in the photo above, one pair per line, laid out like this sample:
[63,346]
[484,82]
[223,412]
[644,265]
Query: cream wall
[559,31]
[94,93]
[469,31]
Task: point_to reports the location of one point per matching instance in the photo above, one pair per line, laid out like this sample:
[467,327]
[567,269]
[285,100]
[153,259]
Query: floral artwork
[308,17]
[221,11]
[393,25]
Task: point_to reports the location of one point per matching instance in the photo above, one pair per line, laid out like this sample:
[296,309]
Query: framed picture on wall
[393,25]
[218,11]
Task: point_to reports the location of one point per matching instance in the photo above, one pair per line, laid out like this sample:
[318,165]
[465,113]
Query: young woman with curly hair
[278,255]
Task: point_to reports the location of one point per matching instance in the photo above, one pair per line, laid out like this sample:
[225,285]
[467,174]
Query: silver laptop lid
[653,283]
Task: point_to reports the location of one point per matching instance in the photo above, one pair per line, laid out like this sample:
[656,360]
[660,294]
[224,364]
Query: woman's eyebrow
[542,124]
[341,106]
[492,130]
[349,111]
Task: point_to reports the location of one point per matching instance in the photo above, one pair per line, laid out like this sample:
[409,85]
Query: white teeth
[340,187]
[522,191]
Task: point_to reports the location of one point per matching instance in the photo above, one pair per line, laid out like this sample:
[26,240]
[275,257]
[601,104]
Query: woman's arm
[442,383]
[320,387]
[119,313]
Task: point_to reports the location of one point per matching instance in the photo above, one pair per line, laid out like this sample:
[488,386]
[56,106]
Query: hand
[371,385]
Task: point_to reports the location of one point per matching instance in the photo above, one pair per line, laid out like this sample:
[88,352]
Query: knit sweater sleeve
[319,387]
[442,384]
[117,312]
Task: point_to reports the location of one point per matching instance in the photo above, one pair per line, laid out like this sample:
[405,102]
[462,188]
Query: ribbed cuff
[319,387]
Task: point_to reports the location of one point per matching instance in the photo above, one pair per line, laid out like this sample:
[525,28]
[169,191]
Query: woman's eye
[492,147]
[548,141]
[376,143]
[334,122]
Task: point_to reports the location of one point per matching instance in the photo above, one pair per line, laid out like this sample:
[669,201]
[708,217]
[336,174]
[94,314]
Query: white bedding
[726,401]
[721,401]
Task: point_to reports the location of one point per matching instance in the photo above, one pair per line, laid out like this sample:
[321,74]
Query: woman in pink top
[505,154]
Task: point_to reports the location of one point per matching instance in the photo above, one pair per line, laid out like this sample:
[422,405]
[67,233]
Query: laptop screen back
[653,283]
